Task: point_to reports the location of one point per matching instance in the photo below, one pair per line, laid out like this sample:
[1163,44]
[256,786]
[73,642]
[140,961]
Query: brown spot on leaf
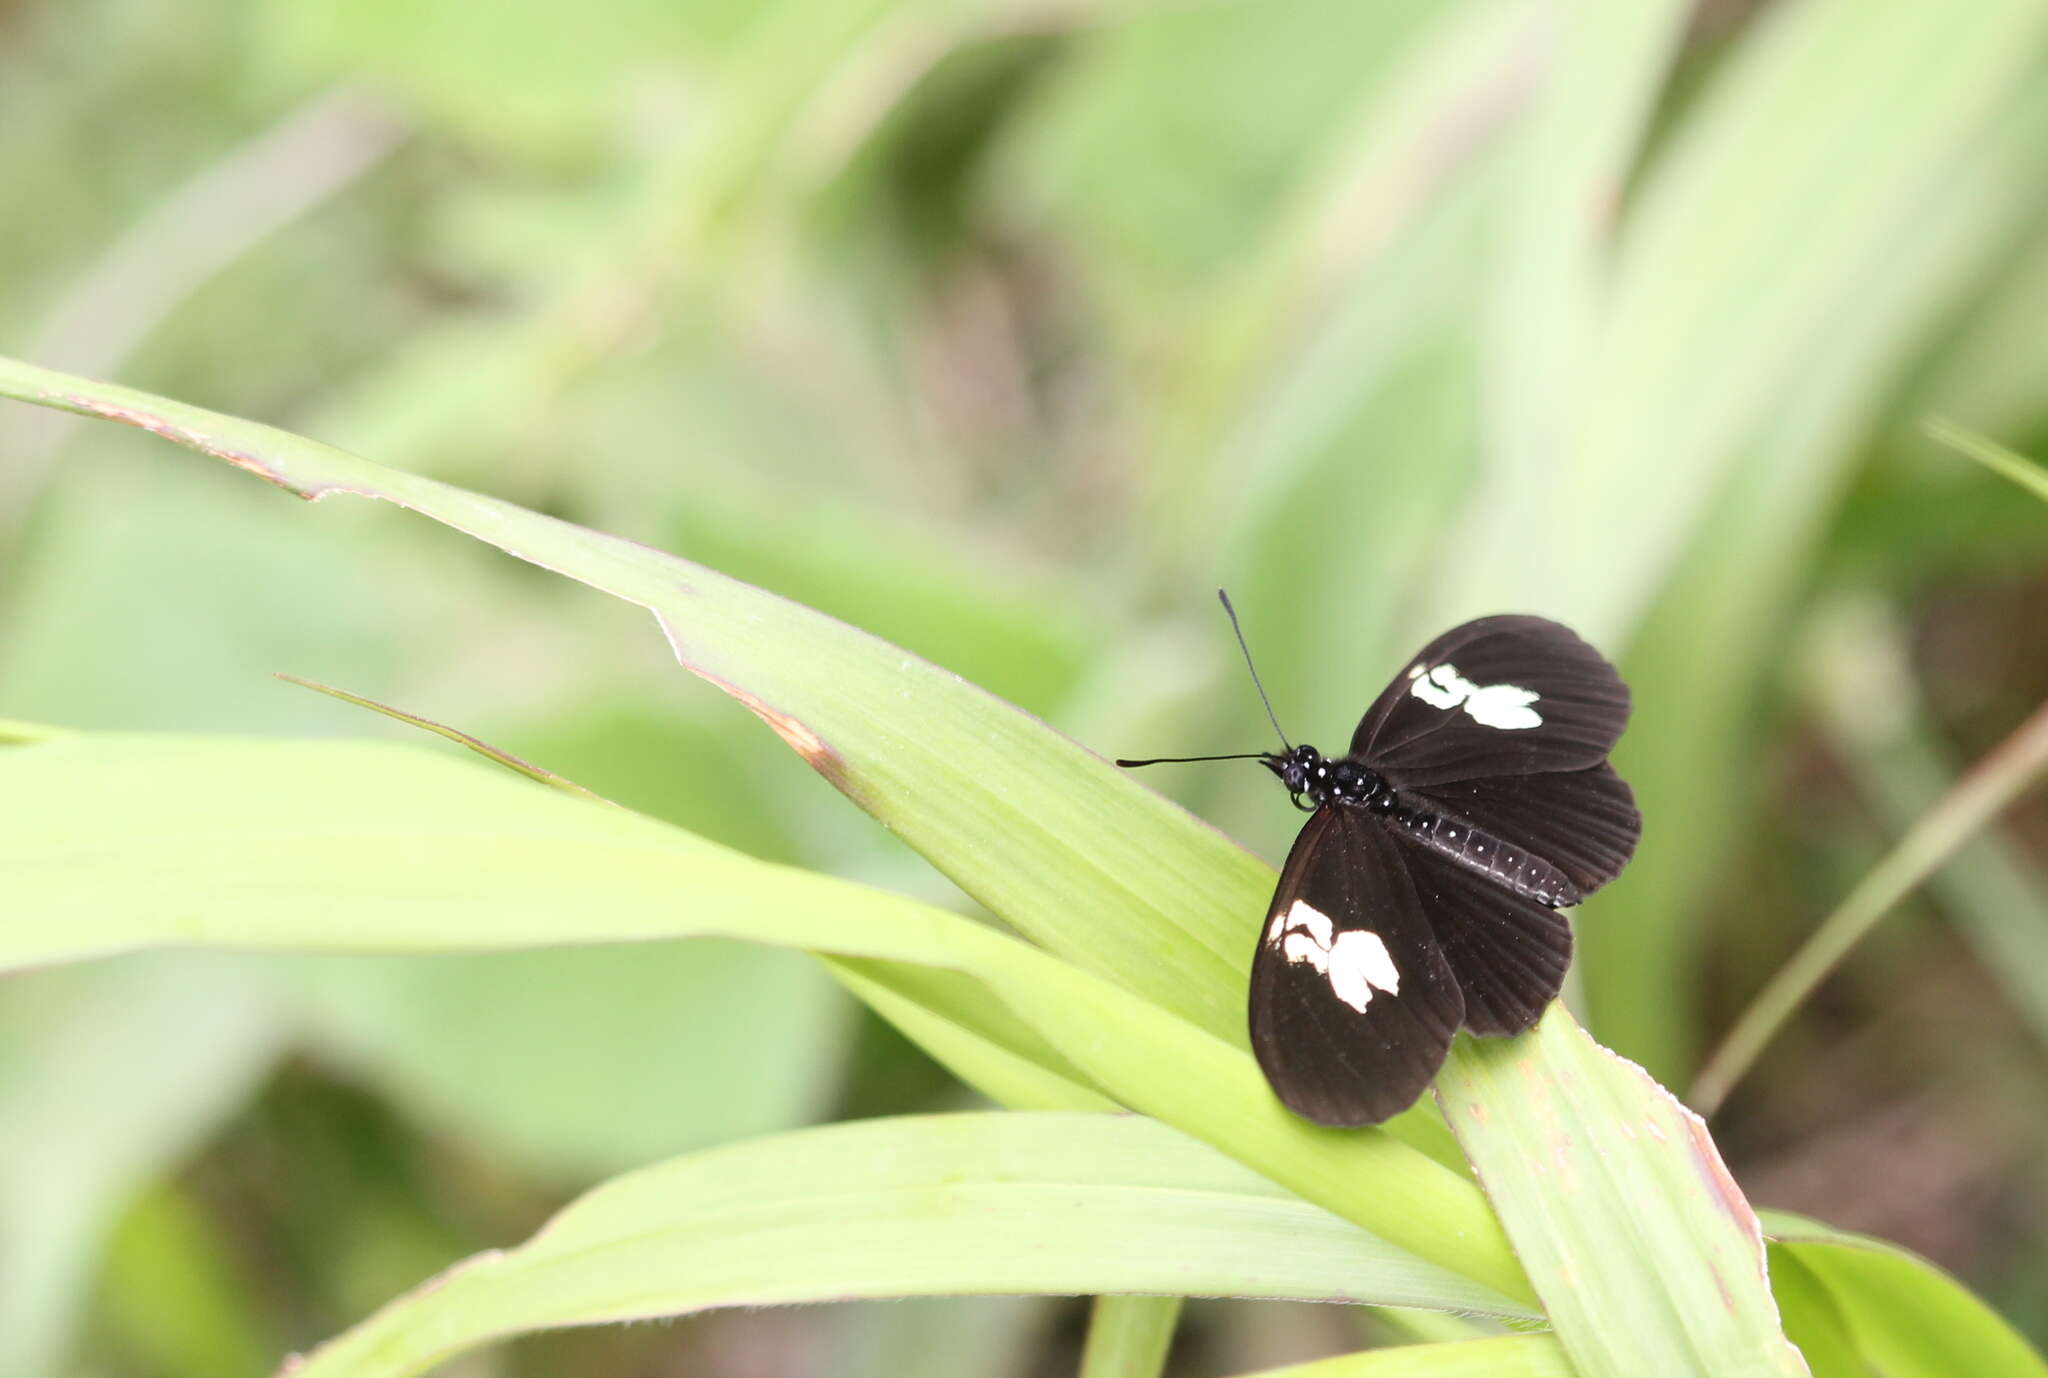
[798,734]
[1708,1158]
[801,738]
[170,430]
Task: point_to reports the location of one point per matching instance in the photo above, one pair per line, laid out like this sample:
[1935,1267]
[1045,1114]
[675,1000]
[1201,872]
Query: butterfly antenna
[1177,760]
[1270,715]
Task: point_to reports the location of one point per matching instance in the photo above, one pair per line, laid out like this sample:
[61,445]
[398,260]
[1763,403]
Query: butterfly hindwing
[1353,1005]
[1507,695]
[1506,952]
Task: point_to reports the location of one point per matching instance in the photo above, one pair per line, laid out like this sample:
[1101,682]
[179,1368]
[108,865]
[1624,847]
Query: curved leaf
[113,843]
[1905,1317]
[933,1205]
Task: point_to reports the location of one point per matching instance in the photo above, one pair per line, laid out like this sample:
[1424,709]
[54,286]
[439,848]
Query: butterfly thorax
[1315,780]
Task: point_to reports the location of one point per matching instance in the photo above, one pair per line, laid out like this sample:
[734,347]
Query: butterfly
[1422,895]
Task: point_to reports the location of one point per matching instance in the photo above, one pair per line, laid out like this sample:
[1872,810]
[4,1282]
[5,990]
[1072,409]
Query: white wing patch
[1504,706]
[1357,963]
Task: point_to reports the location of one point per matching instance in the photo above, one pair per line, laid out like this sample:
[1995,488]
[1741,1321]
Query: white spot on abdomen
[1504,706]
[1357,963]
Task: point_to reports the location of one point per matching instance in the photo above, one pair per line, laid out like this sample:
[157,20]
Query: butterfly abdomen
[1516,868]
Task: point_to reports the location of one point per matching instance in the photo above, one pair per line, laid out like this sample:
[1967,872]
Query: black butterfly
[1423,894]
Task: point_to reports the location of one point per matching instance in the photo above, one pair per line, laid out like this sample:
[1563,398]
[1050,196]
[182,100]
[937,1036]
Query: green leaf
[1906,1317]
[1646,1255]
[938,1205]
[1812,1319]
[1887,740]
[984,1045]
[1090,865]
[360,847]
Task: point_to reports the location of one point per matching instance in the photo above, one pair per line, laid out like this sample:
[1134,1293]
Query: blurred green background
[1009,331]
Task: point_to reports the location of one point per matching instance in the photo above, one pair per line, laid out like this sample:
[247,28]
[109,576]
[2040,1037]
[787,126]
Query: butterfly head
[1304,772]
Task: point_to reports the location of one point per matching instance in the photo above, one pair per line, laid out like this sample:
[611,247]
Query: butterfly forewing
[1352,1003]
[1509,695]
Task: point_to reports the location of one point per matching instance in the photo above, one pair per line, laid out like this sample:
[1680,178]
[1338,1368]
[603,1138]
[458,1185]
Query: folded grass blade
[925,1206]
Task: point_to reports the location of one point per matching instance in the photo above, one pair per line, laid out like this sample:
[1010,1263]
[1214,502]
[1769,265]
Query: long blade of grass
[926,1206]
[108,844]
[1084,861]
[2007,772]
[1879,730]
[1993,456]
[462,739]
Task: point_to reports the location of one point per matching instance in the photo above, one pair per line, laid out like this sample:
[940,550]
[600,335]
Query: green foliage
[234,859]
[999,334]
